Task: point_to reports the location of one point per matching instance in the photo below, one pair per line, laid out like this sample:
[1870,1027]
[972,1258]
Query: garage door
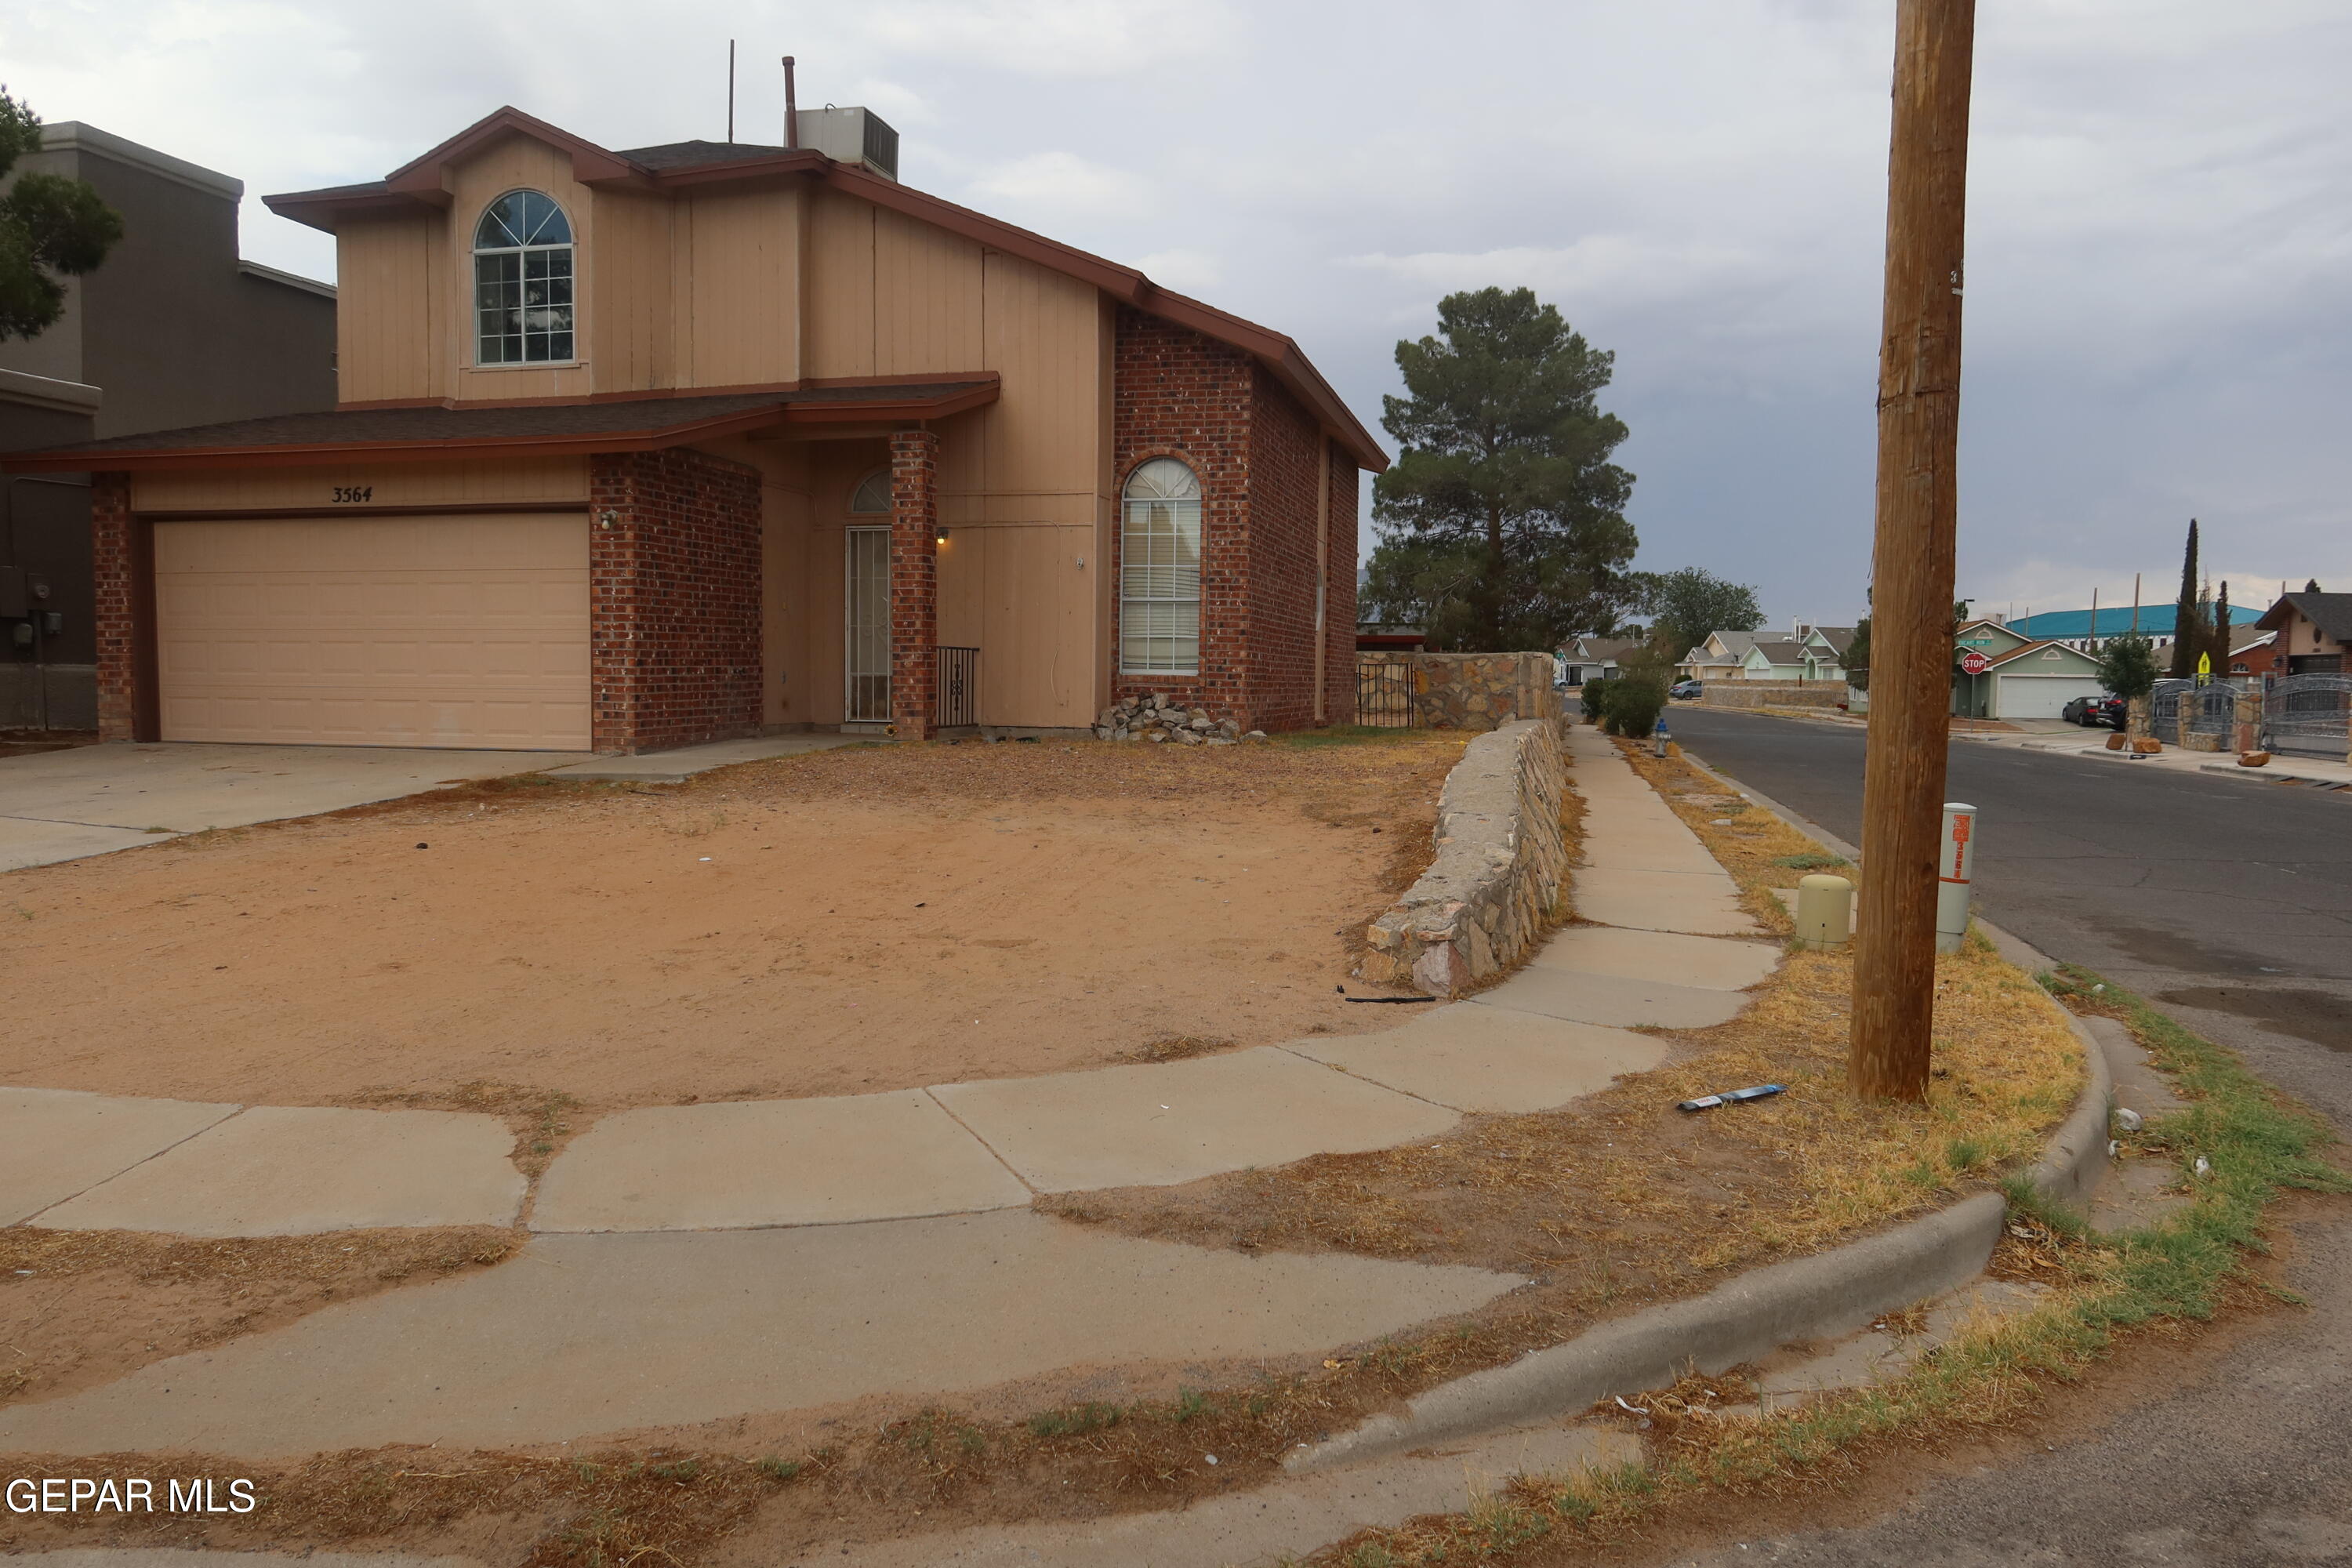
[375,631]
[2039,696]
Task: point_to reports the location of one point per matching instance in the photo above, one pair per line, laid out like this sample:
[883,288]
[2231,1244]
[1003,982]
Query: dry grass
[82,1306]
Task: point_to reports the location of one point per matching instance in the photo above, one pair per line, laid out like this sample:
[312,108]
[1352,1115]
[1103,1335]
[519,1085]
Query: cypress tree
[2224,636]
[2188,625]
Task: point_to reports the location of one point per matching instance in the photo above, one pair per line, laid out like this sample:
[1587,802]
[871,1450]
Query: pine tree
[1503,522]
[48,225]
[2188,625]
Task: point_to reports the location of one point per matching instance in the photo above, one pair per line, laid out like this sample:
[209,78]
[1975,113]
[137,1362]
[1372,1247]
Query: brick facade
[119,581]
[674,561]
[914,583]
[1258,456]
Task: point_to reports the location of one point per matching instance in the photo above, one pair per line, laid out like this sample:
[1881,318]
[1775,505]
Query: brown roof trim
[425,181]
[806,410]
[993,379]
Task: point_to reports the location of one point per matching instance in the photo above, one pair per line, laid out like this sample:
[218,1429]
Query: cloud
[1065,182]
[1186,271]
[2160,212]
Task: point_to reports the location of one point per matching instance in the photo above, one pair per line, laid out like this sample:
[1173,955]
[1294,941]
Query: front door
[865,556]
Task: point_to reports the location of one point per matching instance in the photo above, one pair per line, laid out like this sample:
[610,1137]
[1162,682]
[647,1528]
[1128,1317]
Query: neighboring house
[2025,678]
[1773,658]
[1583,659]
[1719,658]
[2313,632]
[173,329]
[1371,638]
[1824,650]
[647,447]
[2257,659]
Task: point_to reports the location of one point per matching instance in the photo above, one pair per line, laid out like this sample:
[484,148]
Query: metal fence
[2310,713]
[959,687]
[1384,693]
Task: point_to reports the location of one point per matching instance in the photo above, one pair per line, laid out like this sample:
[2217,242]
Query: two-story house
[175,329]
[645,447]
[2312,632]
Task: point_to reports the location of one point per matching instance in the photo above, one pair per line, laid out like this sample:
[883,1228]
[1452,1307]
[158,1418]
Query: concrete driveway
[62,806]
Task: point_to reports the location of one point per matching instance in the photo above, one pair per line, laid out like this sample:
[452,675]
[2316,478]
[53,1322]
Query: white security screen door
[865,697]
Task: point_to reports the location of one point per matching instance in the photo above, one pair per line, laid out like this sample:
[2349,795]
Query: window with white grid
[1159,570]
[522,282]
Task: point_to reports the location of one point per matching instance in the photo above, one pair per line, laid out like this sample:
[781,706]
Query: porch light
[942,538]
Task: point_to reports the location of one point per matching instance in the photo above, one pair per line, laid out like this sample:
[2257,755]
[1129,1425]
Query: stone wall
[1473,690]
[1773,693]
[1501,858]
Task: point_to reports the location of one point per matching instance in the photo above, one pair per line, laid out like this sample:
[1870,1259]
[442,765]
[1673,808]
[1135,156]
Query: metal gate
[2212,708]
[865,626]
[959,687]
[2164,707]
[2310,713]
[1384,693]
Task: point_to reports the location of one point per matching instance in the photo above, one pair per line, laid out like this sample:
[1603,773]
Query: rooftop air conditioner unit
[856,136]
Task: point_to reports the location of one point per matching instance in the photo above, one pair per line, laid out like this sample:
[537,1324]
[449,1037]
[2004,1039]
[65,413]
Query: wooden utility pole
[1911,584]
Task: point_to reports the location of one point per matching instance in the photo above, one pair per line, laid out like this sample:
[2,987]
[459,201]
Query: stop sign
[1974,662]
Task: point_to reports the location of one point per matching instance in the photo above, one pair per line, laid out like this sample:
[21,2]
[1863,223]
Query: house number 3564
[353,492]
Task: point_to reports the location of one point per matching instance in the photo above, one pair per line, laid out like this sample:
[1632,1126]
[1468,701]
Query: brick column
[914,583]
[124,582]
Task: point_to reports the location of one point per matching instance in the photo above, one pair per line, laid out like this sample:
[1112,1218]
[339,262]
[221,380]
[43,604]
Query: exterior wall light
[942,538]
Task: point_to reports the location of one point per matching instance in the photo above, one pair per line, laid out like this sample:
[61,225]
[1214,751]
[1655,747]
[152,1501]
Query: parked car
[1687,690]
[2094,712]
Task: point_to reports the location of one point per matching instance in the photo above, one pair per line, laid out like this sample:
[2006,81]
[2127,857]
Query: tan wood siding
[384,308]
[460,632]
[390,486]
[629,314]
[927,297]
[839,308]
[745,282]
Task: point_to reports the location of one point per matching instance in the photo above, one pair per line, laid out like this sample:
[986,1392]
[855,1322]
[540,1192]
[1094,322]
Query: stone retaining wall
[1466,690]
[1773,693]
[1501,858]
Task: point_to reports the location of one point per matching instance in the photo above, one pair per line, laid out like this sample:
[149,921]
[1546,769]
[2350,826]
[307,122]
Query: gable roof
[2248,645]
[425,183]
[1735,646]
[1780,651]
[1839,638]
[1968,633]
[2036,649]
[2331,613]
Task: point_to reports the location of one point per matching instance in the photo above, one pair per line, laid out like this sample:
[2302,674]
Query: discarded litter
[2114,1150]
[2203,1167]
[1637,1409]
[1731,1097]
[2127,1119]
[1406,1000]
[1213,1458]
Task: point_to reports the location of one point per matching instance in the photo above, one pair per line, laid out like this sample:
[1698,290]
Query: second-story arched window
[522,281]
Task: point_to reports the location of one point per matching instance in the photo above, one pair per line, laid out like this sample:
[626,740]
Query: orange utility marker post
[1911,581]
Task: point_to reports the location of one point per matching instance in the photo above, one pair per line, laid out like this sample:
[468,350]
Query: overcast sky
[2161,224]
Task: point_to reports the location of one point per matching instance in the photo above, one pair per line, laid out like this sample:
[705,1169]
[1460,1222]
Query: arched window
[1159,570]
[522,281]
[872,496]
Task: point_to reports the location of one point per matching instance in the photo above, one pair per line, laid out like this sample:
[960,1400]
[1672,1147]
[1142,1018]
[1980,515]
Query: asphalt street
[2229,903]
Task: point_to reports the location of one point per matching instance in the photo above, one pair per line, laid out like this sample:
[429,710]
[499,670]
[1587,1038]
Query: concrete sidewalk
[92,800]
[1665,948]
[818,1238]
[62,805]
[2324,772]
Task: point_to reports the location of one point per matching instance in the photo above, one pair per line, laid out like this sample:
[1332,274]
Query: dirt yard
[836,923]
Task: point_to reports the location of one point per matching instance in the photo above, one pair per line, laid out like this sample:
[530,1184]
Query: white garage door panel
[445,631]
[2039,696]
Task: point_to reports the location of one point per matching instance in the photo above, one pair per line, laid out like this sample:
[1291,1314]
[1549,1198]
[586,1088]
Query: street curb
[1825,1296]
